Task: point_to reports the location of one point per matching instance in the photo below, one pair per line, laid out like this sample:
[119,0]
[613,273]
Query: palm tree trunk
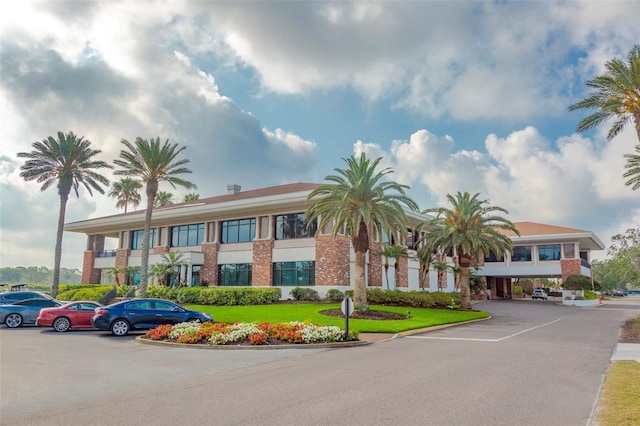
[465,289]
[359,282]
[64,197]
[144,261]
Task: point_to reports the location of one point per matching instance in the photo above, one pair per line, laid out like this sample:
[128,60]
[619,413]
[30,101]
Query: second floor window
[492,257]
[521,254]
[187,235]
[138,235]
[238,231]
[289,226]
[549,252]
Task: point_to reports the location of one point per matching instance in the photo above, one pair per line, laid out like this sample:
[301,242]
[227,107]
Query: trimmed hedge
[73,292]
[217,295]
[413,298]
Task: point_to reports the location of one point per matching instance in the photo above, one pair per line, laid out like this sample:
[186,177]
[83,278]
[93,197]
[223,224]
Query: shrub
[335,296]
[74,292]
[590,295]
[108,296]
[219,295]
[307,294]
[577,282]
[518,289]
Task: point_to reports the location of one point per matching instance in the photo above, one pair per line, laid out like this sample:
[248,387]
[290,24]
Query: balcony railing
[106,253]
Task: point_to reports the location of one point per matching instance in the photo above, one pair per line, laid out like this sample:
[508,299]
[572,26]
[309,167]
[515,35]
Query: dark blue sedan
[143,314]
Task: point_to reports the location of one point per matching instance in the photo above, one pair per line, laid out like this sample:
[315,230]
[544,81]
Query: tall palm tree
[394,252]
[616,95]
[361,203]
[152,162]
[67,162]
[471,227]
[633,169]
[163,199]
[126,191]
[193,196]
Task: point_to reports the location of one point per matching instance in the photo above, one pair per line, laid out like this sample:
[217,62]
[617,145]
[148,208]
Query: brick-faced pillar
[90,275]
[374,270]
[332,260]
[262,269]
[209,270]
[402,272]
[570,267]
[122,261]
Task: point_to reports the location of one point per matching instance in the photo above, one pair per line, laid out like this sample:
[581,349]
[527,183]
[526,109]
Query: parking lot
[531,354]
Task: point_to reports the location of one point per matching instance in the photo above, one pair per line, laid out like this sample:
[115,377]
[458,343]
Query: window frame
[301,228]
[301,268]
[237,272]
[238,224]
[187,232]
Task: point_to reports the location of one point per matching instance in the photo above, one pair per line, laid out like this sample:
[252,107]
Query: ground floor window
[234,274]
[294,273]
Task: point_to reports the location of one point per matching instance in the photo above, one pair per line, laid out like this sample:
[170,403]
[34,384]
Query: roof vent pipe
[233,188]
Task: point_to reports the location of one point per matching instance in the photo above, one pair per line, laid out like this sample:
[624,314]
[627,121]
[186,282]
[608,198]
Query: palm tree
[163,199]
[160,271]
[471,227]
[633,166]
[67,162]
[616,96]
[360,203]
[425,257]
[395,252]
[126,191]
[171,261]
[152,162]
[115,273]
[193,196]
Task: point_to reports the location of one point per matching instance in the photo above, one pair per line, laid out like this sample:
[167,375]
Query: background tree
[616,96]
[171,261]
[192,196]
[360,203]
[66,162]
[425,258]
[471,227]
[163,199]
[394,252]
[633,169]
[152,162]
[126,192]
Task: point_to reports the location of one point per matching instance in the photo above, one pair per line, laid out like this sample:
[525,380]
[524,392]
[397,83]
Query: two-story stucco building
[259,238]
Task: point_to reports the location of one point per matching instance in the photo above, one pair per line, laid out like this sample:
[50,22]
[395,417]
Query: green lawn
[420,318]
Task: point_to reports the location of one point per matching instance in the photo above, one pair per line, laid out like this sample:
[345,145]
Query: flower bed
[248,333]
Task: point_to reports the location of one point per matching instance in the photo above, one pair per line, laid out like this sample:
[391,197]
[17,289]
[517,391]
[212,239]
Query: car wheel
[61,324]
[13,320]
[120,327]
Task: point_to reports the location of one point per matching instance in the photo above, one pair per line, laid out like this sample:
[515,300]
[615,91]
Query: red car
[70,315]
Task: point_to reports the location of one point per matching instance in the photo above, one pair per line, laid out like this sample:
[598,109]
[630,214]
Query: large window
[294,273]
[137,236]
[187,235]
[290,226]
[521,254]
[569,251]
[549,252]
[238,231]
[234,274]
[492,257]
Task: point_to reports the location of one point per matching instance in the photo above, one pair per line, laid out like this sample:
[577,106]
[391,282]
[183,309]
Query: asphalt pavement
[533,363]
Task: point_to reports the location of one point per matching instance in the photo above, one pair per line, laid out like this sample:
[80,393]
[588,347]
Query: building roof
[540,233]
[532,228]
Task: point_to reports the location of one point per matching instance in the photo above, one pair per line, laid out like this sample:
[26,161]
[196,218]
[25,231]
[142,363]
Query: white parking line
[471,339]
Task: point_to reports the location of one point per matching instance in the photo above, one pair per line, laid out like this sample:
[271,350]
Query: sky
[454,96]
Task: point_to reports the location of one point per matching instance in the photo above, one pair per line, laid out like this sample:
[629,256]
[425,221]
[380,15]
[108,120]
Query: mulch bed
[630,332]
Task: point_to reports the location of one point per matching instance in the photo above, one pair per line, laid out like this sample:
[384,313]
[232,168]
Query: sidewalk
[626,352]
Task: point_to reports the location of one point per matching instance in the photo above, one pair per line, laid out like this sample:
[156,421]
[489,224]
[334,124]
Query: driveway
[533,363]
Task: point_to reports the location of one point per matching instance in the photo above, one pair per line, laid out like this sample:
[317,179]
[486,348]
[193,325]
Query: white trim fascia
[558,237]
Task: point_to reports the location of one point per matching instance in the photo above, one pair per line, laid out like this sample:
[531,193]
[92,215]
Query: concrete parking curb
[141,339]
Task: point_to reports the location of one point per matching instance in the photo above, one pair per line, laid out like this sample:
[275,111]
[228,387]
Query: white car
[539,293]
